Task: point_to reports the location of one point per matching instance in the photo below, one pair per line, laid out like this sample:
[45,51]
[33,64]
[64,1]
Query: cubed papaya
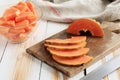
[26,16]
[4,30]
[31,7]
[16,31]
[24,5]
[28,29]
[21,8]
[11,13]
[21,24]
[10,23]
[16,38]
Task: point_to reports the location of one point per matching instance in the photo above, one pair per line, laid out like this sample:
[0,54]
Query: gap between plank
[3,52]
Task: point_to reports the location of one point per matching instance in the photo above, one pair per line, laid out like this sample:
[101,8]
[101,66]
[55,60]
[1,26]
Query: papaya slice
[85,24]
[26,16]
[66,47]
[73,40]
[69,53]
[74,61]
[11,13]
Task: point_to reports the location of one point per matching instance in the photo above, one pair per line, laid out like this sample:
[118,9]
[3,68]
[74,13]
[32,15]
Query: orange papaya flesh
[69,53]
[85,24]
[11,13]
[8,23]
[31,7]
[29,28]
[16,31]
[21,8]
[11,36]
[21,3]
[22,36]
[74,61]
[1,20]
[4,30]
[26,16]
[22,24]
[73,40]
[16,38]
[24,5]
[66,47]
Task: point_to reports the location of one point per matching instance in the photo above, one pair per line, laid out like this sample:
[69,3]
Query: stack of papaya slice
[70,51]
[18,21]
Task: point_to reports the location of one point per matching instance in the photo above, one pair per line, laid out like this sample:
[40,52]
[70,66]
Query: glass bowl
[17,34]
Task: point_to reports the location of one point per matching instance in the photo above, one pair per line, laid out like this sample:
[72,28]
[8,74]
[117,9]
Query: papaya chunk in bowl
[85,24]
[18,21]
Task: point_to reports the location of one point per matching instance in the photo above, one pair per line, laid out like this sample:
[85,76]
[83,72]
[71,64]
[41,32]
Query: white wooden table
[16,64]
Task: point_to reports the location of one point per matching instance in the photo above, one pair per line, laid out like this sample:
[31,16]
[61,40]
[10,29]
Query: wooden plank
[104,61]
[3,44]
[117,52]
[99,48]
[46,70]
[113,75]
[94,66]
[77,77]
[35,67]
[16,64]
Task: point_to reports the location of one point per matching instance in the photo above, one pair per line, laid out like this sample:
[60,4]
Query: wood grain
[99,47]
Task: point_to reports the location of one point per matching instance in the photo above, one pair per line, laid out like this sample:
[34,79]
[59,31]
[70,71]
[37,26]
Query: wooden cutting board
[99,47]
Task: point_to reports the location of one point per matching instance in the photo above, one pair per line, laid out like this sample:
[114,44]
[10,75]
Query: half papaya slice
[85,24]
[74,61]
[73,40]
[69,53]
[67,47]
